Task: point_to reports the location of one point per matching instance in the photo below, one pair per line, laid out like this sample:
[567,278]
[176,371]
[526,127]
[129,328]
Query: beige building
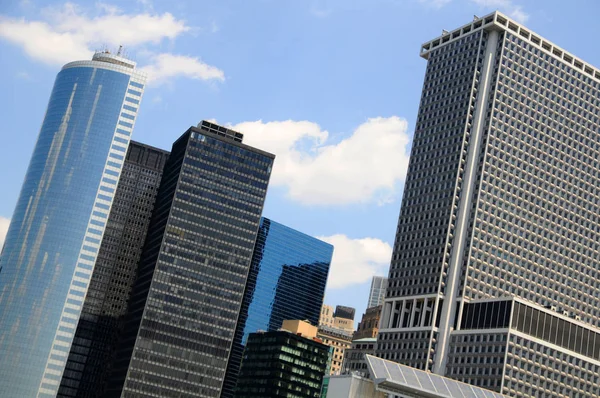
[339,339]
[344,324]
[301,328]
[326,318]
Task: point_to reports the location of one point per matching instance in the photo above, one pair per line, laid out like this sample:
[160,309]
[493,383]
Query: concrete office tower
[501,200]
[185,302]
[286,281]
[58,223]
[105,305]
[290,362]
[377,291]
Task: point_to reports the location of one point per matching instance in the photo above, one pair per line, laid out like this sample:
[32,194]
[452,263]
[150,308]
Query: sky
[331,87]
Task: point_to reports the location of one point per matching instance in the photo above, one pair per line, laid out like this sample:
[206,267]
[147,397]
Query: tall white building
[377,291]
[495,273]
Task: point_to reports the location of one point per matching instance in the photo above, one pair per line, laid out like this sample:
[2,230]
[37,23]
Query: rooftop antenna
[120,50]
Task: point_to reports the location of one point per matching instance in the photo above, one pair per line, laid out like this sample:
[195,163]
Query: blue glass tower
[60,217]
[287,280]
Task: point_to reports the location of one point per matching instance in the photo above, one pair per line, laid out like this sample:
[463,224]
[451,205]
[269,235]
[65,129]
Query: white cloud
[364,167]
[165,66]
[355,261]
[4,223]
[507,6]
[42,43]
[70,33]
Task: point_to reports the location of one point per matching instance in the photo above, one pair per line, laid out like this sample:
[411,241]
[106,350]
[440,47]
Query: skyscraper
[60,217]
[192,273]
[377,291]
[495,259]
[286,281]
[101,321]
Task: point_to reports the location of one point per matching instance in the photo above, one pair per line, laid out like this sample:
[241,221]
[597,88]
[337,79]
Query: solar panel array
[403,376]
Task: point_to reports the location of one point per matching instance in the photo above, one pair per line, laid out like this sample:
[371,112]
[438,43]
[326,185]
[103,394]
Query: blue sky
[331,87]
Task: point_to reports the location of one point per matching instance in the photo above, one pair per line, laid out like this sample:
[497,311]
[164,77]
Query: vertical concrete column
[465,204]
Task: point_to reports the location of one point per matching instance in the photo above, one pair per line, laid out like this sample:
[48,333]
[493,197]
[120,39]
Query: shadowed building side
[101,321]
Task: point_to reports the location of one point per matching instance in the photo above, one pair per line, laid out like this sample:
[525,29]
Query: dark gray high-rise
[495,273]
[186,299]
[92,352]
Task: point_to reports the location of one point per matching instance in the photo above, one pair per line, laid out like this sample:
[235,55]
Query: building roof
[366,340]
[394,378]
[499,21]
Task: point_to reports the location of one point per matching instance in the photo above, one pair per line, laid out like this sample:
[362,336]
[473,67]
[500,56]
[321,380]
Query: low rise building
[369,324]
[354,357]
[340,340]
[289,362]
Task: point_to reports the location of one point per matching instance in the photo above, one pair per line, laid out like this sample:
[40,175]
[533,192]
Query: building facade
[285,363]
[339,340]
[369,324]
[500,201]
[60,217]
[349,385]
[342,311]
[326,317]
[354,357]
[287,280]
[101,321]
[377,291]
[186,299]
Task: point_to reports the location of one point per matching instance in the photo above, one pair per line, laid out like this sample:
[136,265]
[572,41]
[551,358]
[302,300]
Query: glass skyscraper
[286,281]
[494,275]
[59,220]
[377,291]
[101,321]
[186,299]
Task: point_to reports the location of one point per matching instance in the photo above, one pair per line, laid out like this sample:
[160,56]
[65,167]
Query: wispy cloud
[320,8]
[435,3]
[23,75]
[165,66]
[509,7]
[71,33]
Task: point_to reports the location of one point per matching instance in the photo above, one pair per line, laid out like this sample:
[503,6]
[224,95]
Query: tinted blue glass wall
[287,280]
[58,223]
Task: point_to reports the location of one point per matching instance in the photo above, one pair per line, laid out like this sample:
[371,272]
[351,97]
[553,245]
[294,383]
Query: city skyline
[493,275]
[362,231]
